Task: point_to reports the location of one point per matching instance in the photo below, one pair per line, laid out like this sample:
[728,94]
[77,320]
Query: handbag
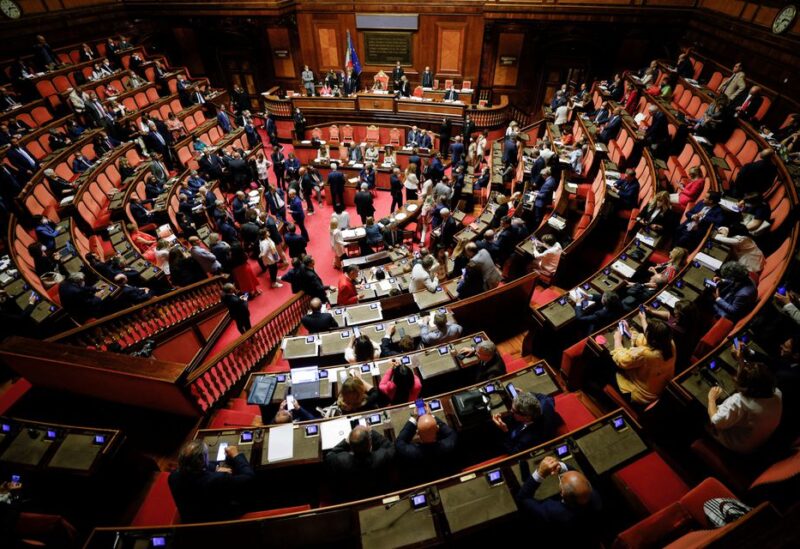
[722,511]
[51,279]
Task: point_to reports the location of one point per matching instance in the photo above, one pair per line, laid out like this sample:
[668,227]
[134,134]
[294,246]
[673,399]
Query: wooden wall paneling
[450,48]
[29,7]
[508,45]
[186,41]
[327,40]
[279,39]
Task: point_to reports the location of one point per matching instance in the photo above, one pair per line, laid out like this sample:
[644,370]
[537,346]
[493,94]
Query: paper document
[711,262]
[646,239]
[281,443]
[333,432]
[623,269]
[667,299]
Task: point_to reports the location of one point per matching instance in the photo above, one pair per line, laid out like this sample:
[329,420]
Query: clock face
[10,9]
[784,19]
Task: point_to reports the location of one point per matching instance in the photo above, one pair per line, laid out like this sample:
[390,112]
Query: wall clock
[10,9]
[784,19]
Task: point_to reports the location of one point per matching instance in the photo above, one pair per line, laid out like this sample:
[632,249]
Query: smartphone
[708,283]
[641,309]
[374,419]
[782,290]
[420,404]
[656,304]
[16,479]
[562,301]
[713,365]
[512,391]
[435,405]
[221,451]
[736,344]
[623,330]
[289,402]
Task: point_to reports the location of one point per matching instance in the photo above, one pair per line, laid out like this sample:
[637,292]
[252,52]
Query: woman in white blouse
[269,257]
[337,243]
[747,418]
[323,154]
[576,157]
[743,247]
[411,183]
[389,156]
[262,169]
[162,255]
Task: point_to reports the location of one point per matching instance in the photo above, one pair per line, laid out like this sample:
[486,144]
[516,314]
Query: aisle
[318,247]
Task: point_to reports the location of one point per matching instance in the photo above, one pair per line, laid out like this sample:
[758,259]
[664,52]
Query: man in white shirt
[546,152]
[421,276]
[546,255]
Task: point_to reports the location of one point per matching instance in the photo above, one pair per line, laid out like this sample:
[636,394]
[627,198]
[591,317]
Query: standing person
[396,190]
[299,124]
[307,185]
[411,182]
[269,257]
[337,243]
[364,203]
[311,283]
[308,80]
[444,136]
[298,215]
[237,307]
[279,165]
[336,183]
[348,292]
[262,169]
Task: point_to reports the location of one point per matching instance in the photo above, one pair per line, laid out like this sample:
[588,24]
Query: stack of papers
[281,443]
[557,222]
[332,432]
[667,299]
[623,269]
[646,239]
[711,262]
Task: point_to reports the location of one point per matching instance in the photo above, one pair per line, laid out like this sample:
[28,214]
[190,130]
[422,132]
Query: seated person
[735,294]
[690,191]
[531,421]
[657,216]
[361,349]
[129,295]
[317,321]
[399,384]
[438,329]
[357,395]
[755,211]
[645,368]
[490,363]
[745,420]
[595,310]
[360,464]
[374,235]
[660,275]
[297,413]
[547,255]
[204,495]
[78,299]
[429,455]
[627,189]
[390,348]
[575,513]
[705,213]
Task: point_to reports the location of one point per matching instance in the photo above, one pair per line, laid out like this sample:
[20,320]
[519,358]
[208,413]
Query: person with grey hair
[364,203]
[203,494]
[437,329]
[421,277]
[79,300]
[483,259]
[490,363]
[360,463]
[206,259]
[735,294]
[531,421]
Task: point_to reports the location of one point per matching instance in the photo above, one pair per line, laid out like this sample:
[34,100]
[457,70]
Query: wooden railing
[490,117]
[210,381]
[131,327]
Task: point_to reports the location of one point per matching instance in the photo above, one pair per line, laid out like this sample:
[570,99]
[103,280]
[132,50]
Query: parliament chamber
[310,273]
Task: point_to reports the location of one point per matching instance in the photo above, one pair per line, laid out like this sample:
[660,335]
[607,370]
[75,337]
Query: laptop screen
[308,374]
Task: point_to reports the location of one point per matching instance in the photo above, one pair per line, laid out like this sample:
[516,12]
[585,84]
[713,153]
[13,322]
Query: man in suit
[299,125]
[602,114]
[276,202]
[396,190]
[574,514]
[336,182]
[60,186]
[298,215]
[360,463]
[223,120]
[436,168]
[544,199]
[295,243]
[656,136]
[735,294]
[684,66]
[307,77]
[142,215]
[278,165]
[705,213]
[628,190]
[456,151]
[154,140]
[98,113]
[405,87]
[46,232]
[397,75]
[205,258]
[756,176]
[103,144]
[413,138]
[364,204]
[437,329]
[451,94]
[22,159]
[449,227]
[211,166]
[430,455]
[444,135]
[129,295]
[350,82]
[78,299]
[750,105]
[316,321]
[239,171]
[415,159]
[510,151]
[239,206]
[153,187]
[43,55]
[427,78]
[469,128]
[237,307]
[490,363]
[427,140]
[531,421]
[734,84]
[202,494]
[80,163]
[612,127]
[159,170]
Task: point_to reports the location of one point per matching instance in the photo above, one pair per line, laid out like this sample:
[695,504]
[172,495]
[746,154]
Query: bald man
[317,321]
[426,458]
[571,516]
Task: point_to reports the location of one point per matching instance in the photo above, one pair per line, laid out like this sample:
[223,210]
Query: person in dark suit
[427,78]
[272,130]
[405,87]
[276,202]
[129,295]
[756,176]
[202,494]
[360,464]
[396,190]
[705,213]
[350,82]
[444,137]
[46,233]
[573,515]
[457,150]
[237,307]
[10,186]
[510,151]
[239,171]
[336,182]
[279,165]
[430,456]
[316,321]
[397,75]
[490,363]
[656,136]
[299,125]
[78,299]
[545,197]
[436,168]
[735,294]
[80,163]
[294,242]
[447,229]
[684,66]
[364,203]
[298,215]
[612,127]
[60,186]
[310,281]
[628,190]
[22,159]
[44,56]
[531,421]
[451,94]
[597,310]
[413,137]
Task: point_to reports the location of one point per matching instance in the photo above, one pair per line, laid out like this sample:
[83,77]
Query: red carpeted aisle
[318,247]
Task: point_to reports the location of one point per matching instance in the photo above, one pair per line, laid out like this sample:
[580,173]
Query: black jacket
[361,476]
[319,322]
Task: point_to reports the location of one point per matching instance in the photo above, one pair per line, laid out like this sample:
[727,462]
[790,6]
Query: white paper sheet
[333,432]
[281,443]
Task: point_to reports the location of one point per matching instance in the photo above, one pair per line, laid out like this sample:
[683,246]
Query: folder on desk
[333,431]
[623,269]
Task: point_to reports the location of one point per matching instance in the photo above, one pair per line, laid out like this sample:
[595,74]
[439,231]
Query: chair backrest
[466,85]
[435,83]
[418,91]
[373,134]
[316,133]
[347,133]
[448,83]
[394,137]
[383,78]
[715,81]
[334,134]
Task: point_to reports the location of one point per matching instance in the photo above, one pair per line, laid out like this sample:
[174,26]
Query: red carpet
[319,247]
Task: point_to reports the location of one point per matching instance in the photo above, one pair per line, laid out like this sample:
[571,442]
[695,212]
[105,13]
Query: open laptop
[305,382]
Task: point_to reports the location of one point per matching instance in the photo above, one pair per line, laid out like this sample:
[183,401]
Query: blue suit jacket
[735,301]
[521,437]
[611,129]
[545,196]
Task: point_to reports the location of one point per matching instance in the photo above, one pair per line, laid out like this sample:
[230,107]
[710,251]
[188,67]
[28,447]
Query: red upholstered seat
[650,483]
[241,405]
[574,414]
[232,418]
[718,332]
[513,364]
[544,295]
[276,512]
[572,363]
[158,507]
[13,394]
